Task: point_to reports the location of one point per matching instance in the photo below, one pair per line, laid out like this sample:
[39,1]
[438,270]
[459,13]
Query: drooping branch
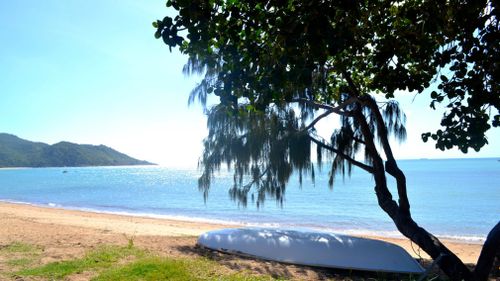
[336,109]
[356,163]
[317,119]
[247,186]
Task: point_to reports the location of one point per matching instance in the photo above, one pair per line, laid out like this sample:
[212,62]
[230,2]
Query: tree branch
[354,89]
[358,140]
[363,166]
[247,186]
[326,113]
[334,109]
[391,166]
[384,196]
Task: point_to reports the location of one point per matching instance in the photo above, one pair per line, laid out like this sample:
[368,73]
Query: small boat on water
[312,248]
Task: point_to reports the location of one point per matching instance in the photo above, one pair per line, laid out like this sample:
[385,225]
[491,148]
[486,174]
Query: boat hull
[312,248]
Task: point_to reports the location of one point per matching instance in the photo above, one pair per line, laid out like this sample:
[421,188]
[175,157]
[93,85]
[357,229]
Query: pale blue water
[457,198]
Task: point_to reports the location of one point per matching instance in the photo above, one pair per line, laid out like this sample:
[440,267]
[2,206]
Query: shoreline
[228,223]
[19,218]
[126,214]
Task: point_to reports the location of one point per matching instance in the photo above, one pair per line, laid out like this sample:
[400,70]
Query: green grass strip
[21,262]
[19,247]
[102,257]
[179,269]
[105,261]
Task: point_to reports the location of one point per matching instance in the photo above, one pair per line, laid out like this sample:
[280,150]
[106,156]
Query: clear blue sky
[92,72]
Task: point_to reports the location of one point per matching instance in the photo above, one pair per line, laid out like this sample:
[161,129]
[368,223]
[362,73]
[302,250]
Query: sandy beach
[68,234]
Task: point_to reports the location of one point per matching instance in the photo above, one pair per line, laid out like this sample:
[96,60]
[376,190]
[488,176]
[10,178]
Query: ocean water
[452,198]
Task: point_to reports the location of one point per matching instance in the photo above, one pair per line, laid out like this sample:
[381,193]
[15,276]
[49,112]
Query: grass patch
[155,268]
[20,255]
[21,262]
[114,263]
[102,257]
[19,247]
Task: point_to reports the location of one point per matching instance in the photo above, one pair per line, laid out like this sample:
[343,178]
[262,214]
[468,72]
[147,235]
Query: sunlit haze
[91,72]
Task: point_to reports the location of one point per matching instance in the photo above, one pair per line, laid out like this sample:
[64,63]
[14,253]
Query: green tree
[281,67]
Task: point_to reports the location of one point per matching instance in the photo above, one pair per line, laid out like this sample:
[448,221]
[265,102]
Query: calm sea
[453,198]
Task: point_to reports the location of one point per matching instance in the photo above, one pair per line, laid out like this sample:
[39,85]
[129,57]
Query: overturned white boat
[312,248]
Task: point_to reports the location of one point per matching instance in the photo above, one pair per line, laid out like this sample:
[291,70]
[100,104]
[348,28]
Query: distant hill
[16,152]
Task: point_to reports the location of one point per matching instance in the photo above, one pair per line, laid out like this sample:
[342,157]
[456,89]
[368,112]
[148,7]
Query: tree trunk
[491,249]
[400,213]
[451,265]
